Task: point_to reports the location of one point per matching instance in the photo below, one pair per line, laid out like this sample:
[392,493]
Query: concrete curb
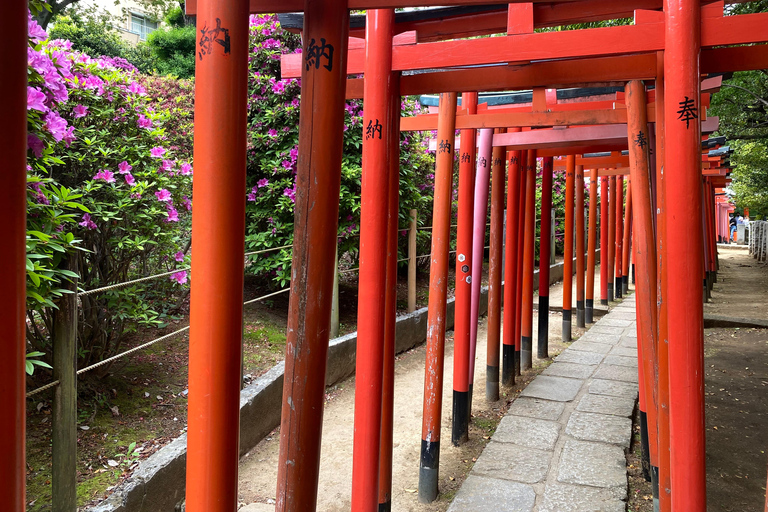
[158,483]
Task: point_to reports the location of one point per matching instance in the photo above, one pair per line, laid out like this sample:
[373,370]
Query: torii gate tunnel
[662,63]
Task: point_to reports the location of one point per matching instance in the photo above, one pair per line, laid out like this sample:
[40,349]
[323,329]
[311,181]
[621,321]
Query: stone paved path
[561,447]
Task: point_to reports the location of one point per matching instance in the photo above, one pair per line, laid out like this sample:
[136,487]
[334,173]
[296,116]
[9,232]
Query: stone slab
[613,388]
[599,337]
[579,356]
[590,346]
[603,428]
[624,351]
[528,432]
[537,408]
[594,464]
[481,494]
[576,498]
[616,360]
[628,342]
[257,507]
[607,321]
[572,370]
[513,462]
[612,372]
[606,404]
[602,329]
[559,389]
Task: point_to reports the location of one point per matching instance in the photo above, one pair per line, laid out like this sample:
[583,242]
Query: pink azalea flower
[124,167]
[136,195]
[135,88]
[179,256]
[186,169]
[55,125]
[129,179]
[87,223]
[186,203]
[251,196]
[167,165]
[36,99]
[180,277]
[69,136]
[163,195]
[35,144]
[105,175]
[80,111]
[157,152]
[173,214]
[144,122]
[263,182]
[272,132]
[36,33]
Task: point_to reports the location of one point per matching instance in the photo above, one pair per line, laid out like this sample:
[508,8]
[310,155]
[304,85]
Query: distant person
[733,227]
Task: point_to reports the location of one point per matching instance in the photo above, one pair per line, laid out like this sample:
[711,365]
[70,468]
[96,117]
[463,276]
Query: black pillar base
[517,360]
[603,302]
[589,311]
[624,285]
[617,287]
[610,292]
[567,325]
[460,423]
[428,471]
[386,506]
[646,452]
[491,383]
[526,353]
[580,321]
[633,273]
[507,365]
[543,339]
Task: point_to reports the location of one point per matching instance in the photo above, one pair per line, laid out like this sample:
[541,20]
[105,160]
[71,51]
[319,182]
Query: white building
[136,23]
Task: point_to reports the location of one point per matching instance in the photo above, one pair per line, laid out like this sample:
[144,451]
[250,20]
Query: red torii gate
[680,33]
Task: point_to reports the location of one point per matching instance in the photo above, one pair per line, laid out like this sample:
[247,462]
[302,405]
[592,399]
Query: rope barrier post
[545,248]
[323,86]
[464,260]
[498,184]
[510,271]
[64,420]
[589,302]
[13,205]
[526,336]
[683,204]
[579,185]
[218,230]
[335,300]
[570,173]
[429,461]
[412,261]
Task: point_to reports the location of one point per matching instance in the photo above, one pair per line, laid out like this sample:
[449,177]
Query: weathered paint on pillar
[374,229]
[498,184]
[545,242]
[589,302]
[323,82]
[570,176]
[579,186]
[463,316]
[13,207]
[526,337]
[683,203]
[429,462]
[511,305]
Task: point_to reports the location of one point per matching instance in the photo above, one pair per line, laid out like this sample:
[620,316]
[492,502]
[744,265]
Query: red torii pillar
[604,239]
[13,207]
[218,228]
[438,288]
[619,235]
[511,304]
[570,171]
[520,252]
[591,248]
[374,222]
[626,244]
[545,228]
[579,224]
[684,263]
[323,85]
[612,237]
[526,339]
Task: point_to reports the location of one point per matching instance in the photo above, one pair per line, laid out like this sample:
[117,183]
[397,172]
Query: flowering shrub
[273,119]
[109,190]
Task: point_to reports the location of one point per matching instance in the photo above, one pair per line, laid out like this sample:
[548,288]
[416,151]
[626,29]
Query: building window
[142,25]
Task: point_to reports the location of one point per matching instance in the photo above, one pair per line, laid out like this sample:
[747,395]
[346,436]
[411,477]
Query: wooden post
[323,84]
[388,386]
[412,261]
[13,205]
[498,184]
[570,176]
[545,248]
[335,301]
[526,337]
[372,291]
[511,305]
[218,229]
[462,332]
[64,424]
[589,302]
[579,186]
[438,288]
[683,204]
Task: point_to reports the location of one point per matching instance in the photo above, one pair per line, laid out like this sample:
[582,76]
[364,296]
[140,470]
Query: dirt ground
[741,290]
[258,469]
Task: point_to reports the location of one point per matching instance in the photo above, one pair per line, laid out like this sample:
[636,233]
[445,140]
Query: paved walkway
[561,447]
